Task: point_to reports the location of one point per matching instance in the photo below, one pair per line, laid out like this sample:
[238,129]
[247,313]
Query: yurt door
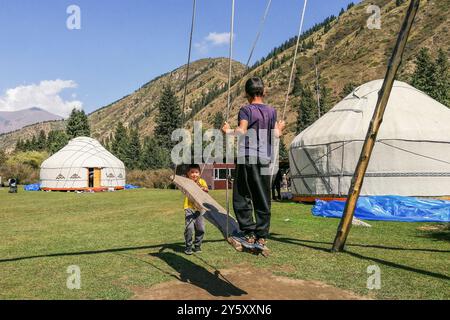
[97,177]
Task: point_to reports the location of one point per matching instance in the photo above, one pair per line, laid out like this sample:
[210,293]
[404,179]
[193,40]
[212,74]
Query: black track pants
[251,192]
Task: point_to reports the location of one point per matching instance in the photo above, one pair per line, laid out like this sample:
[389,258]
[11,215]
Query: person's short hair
[254,87]
[191,167]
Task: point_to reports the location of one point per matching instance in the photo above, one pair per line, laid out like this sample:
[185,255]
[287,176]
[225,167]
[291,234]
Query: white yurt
[82,165]
[411,156]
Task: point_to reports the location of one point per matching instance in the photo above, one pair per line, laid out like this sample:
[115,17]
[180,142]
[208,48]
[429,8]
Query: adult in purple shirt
[252,184]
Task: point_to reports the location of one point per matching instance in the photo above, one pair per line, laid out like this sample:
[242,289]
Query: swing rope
[247,67]
[183,119]
[283,117]
[230,65]
[258,35]
[300,30]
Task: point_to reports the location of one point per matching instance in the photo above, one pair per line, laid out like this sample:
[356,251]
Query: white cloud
[45,95]
[213,39]
[218,39]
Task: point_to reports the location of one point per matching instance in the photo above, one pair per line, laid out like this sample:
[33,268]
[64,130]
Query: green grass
[111,237]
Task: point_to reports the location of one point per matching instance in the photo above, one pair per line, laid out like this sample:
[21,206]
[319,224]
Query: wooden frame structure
[377,119]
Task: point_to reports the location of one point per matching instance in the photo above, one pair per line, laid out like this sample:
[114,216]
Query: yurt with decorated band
[411,156]
[83,164]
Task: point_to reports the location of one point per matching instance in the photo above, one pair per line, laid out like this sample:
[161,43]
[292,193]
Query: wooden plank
[215,214]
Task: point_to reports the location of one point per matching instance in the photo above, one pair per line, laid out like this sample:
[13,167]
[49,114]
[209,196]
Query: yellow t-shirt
[189,204]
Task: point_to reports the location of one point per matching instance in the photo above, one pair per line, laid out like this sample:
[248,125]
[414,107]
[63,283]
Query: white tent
[411,156]
[82,164]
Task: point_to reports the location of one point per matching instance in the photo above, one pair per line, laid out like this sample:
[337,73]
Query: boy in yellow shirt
[195,223]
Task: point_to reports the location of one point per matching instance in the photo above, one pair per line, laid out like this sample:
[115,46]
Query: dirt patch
[243,283]
[433,228]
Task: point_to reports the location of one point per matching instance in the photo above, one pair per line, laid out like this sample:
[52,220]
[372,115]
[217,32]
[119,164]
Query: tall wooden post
[377,119]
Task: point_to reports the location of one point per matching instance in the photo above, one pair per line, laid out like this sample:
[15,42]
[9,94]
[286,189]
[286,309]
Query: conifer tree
[56,140]
[120,143]
[134,149]
[78,125]
[442,90]
[168,118]
[41,142]
[284,155]
[153,156]
[218,120]
[297,87]
[3,157]
[424,76]
[307,112]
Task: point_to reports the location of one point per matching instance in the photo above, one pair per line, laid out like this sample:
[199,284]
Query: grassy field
[115,239]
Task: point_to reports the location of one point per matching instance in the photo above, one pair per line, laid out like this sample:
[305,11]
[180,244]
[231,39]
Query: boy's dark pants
[195,224]
[251,191]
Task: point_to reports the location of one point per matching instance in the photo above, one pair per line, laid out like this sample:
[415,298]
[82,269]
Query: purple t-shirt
[261,121]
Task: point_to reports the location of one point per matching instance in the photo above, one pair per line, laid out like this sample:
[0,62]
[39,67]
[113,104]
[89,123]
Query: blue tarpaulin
[32,187]
[130,186]
[389,208]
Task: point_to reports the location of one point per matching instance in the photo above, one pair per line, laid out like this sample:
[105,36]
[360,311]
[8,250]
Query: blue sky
[122,44]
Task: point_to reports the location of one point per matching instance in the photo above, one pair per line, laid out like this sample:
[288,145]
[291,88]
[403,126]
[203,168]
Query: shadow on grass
[442,233]
[374,246]
[306,243]
[90,252]
[189,272]
[198,276]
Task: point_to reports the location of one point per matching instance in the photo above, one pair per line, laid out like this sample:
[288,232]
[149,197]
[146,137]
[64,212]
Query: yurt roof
[410,115]
[85,153]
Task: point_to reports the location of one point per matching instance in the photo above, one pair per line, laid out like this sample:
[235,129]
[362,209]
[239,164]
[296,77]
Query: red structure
[216,174]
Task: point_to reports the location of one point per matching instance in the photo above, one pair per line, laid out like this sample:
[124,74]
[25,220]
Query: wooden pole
[377,119]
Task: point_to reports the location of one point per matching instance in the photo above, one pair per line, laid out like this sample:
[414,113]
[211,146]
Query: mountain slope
[350,52]
[140,108]
[15,120]
[347,51]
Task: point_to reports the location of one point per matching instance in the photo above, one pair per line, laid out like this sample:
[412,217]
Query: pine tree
[284,155]
[168,118]
[119,146]
[442,90]
[78,124]
[56,140]
[134,149]
[307,112]
[41,142]
[424,76]
[3,157]
[325,98]
[33,144]
[218,120]
[20,145]
[297,87]
[153,156]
